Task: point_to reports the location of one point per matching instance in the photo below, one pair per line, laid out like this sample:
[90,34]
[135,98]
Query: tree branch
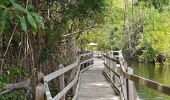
[75,33]
[22,85]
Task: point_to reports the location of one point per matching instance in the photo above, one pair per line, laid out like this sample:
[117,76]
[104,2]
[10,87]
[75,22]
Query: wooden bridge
[107,78]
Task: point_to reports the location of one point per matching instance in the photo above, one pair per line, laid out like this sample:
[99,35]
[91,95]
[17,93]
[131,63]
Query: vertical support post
[92,62]
[72,76]
[61,81]
[126,81]
[108,63]
[39,90]
[131,91]
[111,73]
[115,69]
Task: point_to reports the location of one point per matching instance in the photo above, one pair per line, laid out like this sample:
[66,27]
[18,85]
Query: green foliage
[39,20]
[156,33]
[23,23]
[17,6]
[77,16]
[3,21]
[1,85]
[15,95]
[11,14]
[148,27]
[32,22]
[158,4]
[24,16]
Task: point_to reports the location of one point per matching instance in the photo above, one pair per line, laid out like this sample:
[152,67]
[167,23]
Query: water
[158,73]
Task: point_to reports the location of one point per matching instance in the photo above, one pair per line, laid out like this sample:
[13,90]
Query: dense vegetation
[38,35]
[139,28]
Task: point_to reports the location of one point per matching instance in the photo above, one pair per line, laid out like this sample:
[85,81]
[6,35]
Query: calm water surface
[158,73]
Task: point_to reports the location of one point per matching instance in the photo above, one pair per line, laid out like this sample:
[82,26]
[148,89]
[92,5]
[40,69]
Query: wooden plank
[112,83]
[39,90]
[86,54]
[47,91]
[93,85]
[86,61]
[57,73]
[112,70]
[123,87]
[131,91]
[148,83]
[78,85]
[112,59]
[61,81]
[66,89]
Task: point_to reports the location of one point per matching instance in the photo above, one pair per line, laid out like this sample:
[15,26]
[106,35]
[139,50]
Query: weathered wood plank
[69,86]
[39,90]
[86,61]
[78,85]
[93,85]
[60,73]
[57,73]
[132,90]
[61,81]
[148,83]
[47,91]
[66,89]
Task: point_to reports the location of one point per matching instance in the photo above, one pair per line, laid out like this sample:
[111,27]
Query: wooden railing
[123,79]
[77,68]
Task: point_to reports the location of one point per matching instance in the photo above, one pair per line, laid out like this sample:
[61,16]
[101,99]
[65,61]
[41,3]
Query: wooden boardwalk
[94,86]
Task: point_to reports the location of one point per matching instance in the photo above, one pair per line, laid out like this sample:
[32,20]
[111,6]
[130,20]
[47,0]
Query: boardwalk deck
[94,86]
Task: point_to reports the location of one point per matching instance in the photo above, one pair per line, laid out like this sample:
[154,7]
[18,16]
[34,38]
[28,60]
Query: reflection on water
[159,73]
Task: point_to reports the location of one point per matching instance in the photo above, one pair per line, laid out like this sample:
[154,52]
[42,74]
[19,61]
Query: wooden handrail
[116,87]
[143,81]
[112,59]
[120,90]
[148,83]
[61,71]
[57,73]
[112,70]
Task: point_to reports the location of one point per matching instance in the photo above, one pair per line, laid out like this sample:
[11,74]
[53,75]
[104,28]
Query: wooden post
[111,73]
[61,81]
[126,81]
[39,90]
[131,88]
[72,76]
[114,76]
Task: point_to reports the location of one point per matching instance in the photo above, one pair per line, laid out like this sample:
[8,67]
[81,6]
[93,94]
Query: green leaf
[32,22]
[39,20]
[23,23]
[3,15]
[17,6]
[2,6]
[1,86]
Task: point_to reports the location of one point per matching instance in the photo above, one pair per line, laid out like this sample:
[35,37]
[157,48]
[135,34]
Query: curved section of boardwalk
[94,86]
